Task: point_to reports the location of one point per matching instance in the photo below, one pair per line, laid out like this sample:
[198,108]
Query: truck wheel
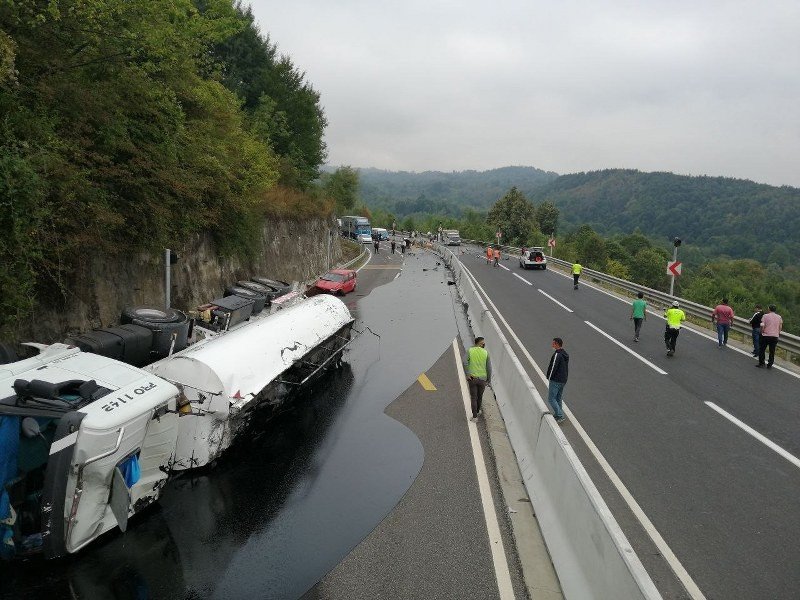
[151,314]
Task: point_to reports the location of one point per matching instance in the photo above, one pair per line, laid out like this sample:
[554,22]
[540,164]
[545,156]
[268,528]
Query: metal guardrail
[348,264]
[790,343]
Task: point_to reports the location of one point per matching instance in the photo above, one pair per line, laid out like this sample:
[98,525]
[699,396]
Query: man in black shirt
[557,373]
[755,323]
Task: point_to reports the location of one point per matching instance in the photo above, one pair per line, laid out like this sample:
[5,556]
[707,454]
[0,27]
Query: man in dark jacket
[557,373]
[755,323]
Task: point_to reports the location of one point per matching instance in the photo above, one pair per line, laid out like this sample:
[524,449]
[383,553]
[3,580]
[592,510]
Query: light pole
[675,242]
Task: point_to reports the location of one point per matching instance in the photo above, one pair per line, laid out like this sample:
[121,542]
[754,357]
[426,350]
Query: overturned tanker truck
[89,431]
[250,371]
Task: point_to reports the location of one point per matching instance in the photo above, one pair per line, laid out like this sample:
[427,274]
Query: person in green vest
[576,273]
[674,316]
[478,368]
[638,314]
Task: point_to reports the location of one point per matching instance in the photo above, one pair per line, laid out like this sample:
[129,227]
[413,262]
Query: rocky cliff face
[289,251]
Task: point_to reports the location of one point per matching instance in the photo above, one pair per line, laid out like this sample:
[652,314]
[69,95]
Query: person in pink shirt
[722,315]
[771,325]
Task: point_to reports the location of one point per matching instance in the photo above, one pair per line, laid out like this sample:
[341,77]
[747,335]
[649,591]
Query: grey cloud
[697,88]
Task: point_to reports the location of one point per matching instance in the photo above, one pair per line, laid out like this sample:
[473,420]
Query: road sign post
[674,268]
[498,235]
[551,243]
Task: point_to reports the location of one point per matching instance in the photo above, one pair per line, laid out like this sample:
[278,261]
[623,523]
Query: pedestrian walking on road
[557,373]
[771,326]
[755,323]
[377,245]
[496,256]
[489,254]
[576,274]
[403,246]
[393,245]
[638,314]
[478,368]
[722,315]
[675,316]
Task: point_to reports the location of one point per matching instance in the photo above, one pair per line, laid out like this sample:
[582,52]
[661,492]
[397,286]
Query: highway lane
[725,502]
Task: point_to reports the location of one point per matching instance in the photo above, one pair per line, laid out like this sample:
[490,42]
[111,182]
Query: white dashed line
[761,438]
[522,279]
[554,300]
[628,350]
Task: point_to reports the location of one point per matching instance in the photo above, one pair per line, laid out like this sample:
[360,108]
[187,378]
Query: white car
[533,258]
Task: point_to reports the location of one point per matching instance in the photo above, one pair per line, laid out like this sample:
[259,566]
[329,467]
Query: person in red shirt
[771,325]
[723,317]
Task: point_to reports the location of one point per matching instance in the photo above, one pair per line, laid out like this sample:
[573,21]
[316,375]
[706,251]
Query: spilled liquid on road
[289,501]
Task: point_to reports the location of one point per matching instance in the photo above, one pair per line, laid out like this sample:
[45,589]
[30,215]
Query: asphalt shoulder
[434,543]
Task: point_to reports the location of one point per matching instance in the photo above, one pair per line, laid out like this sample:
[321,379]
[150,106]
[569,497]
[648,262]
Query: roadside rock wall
[293,251]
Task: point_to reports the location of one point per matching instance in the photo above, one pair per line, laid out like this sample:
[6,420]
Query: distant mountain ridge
[445,193]
[723,216]
[733,217]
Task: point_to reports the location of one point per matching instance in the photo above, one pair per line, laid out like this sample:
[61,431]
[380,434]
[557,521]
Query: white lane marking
[761,438]
[504,267]
[369,258]
[628,350]
[501,571]
[675,564]
[554,300]
[522,279]
[680,572]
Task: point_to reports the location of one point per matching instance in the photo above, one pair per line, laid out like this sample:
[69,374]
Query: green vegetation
[722,217]
[127,125]
[632,256]
[445,194]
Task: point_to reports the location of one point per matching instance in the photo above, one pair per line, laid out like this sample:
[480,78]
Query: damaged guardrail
[589,550]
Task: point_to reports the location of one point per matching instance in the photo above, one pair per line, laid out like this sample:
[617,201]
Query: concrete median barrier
[591,555]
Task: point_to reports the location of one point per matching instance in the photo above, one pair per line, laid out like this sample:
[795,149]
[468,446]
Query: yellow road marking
[426,383]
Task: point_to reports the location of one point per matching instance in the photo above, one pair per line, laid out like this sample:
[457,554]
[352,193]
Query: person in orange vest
[496,256]
[488,254]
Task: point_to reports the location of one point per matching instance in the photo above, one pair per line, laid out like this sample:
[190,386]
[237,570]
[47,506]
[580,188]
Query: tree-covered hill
[403,193]
[715,216]
[130,125]
[722,216]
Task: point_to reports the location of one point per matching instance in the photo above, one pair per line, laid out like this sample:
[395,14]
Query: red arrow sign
[674,268]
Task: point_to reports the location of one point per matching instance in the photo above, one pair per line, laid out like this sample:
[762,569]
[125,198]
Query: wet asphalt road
[295,496]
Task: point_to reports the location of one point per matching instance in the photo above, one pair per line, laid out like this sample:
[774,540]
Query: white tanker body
[226,377]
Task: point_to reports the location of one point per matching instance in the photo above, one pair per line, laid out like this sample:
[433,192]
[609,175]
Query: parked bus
[357,228]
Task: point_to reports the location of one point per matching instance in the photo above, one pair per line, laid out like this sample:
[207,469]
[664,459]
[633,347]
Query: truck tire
[163,323]
[151,314]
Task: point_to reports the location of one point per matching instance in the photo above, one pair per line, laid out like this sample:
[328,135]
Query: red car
[338,281]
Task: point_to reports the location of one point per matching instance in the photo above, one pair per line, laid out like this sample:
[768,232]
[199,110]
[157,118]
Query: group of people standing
[766,327]
[493,255]
[478,369]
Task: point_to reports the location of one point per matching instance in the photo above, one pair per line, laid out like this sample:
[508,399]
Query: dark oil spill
[289,501]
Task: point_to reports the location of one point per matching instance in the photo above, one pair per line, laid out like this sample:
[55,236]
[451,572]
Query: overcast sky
[691,87]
